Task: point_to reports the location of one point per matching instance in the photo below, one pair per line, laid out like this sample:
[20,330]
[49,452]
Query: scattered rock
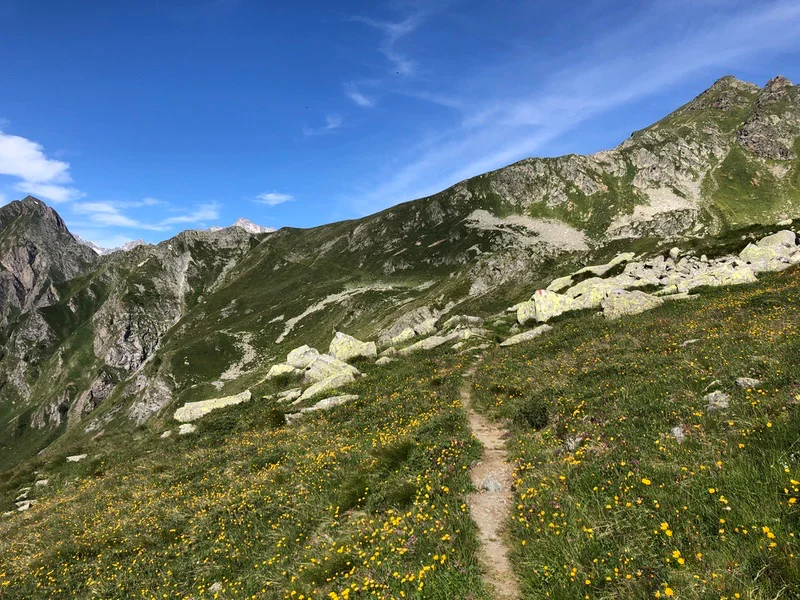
[678,434]
[282,370]
[326,385]
[166,434]
[215,588]
[748,383]
[717,401]
[191,411]
[290,395]
[186,429]
[390,351]
[526,336]
[462,321]
[601,270]
[325,366]
[573,443]
[301,357]
[41,482]
[689,342]
[345,347]
[25,505]
[427,327]
[76,458]
[674,253]
[622,303]
[404,336]
[543,306]
[325,404]
[385,360]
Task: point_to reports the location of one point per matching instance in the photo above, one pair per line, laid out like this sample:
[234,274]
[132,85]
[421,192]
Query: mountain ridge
[123,336]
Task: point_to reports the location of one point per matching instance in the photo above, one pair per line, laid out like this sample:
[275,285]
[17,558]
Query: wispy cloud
[110,214]
[356,96]
[273,198]
[39,175]
[392,33]
[518,119]
[332,123]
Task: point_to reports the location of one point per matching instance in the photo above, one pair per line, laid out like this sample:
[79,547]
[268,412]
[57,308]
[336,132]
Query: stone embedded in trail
[526,336]
[345,347]
[301,357]
[282,370]
[620,303]
[325,366]
[716,401]
[327,385]
[748,382]
[186,429]
[490,484]
[191,411]
[543,306]
[76,458]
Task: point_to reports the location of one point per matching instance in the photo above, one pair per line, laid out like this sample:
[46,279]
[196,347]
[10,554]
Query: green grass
[632,513]
[366,500]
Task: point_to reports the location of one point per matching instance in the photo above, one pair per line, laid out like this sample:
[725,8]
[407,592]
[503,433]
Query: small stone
[689,342]
[748,382]
[76,458]
[215,588]
[384,360]
[677,433]
[41,482]
[491,485]
[526,336]
[717,401]
[166,434]
[186,429]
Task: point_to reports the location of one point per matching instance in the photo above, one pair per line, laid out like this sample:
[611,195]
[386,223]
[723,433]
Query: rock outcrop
[191,411]
[347,348]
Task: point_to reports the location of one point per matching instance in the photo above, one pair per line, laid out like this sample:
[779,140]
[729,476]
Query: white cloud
[54,193]
[393,32]
[356,96]
[520,118]
[40,176]
[332,123]
[3,198]
[109,214]
[273,198]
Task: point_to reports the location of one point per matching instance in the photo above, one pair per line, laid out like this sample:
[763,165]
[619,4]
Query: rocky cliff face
[90,340]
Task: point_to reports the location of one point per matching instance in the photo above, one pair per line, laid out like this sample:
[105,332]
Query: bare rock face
[771,130]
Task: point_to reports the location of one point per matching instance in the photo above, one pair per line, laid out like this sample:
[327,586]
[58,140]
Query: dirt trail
[490,506]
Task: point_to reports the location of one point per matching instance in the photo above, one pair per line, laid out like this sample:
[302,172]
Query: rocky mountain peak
[251,227]
[777,83]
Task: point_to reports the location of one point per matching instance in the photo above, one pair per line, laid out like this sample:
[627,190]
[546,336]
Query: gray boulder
[191,411]
[325,366]
[526,336]
[717,400]
[345,348]
[301,357]
[620,303]
[326,385]
[543,306]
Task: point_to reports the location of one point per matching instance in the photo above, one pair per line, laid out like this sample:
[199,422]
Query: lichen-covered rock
[427,327]
[560,284]
[186,429]
[717,400]
[326,366]
[282,370]
[325,404]
[620,303]
[543,306]
[721,274]
[462,321]
[404,336]
[748,382]
[301,357]
[591,292]
[345,347]
[526,336]
[191,411]
[326,385]
[289,395]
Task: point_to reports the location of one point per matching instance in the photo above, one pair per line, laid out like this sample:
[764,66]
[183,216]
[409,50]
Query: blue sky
[140,119]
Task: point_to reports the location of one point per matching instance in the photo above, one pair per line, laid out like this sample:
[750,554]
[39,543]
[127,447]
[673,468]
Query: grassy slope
[632,513]
[367,497]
